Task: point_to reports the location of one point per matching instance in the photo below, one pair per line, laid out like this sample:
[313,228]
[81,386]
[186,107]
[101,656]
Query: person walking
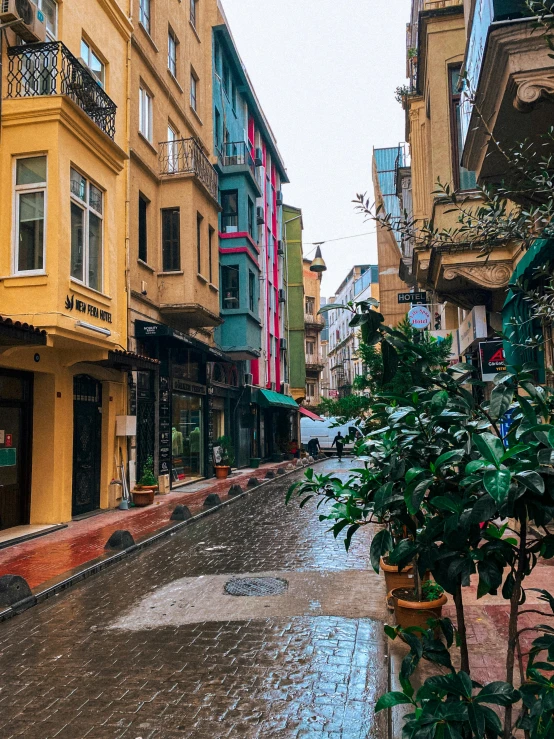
[338,441]
[314,447]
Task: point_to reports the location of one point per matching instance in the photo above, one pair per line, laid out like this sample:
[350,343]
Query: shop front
[277,423]
[230,409]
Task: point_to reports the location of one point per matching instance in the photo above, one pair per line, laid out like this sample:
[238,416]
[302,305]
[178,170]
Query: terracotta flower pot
[416,613]
[143,497]
[395,579]
[222,471]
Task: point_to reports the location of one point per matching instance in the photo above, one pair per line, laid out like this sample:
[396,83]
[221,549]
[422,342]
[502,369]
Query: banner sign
[492,359]
[412,297]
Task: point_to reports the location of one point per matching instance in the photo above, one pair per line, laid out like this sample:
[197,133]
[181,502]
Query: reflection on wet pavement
[287,673]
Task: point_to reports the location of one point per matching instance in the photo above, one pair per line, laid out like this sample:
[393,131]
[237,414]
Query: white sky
[325,72]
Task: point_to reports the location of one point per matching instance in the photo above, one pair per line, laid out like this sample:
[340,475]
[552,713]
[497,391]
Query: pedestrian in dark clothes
[339,443]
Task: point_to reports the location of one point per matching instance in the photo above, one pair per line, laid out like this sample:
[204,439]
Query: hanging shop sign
[73,303]
[419,317]
[412,297]
[492,359]
[473,327]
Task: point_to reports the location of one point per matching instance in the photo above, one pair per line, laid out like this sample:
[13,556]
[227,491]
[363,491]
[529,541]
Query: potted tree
[147,486]
[226,457]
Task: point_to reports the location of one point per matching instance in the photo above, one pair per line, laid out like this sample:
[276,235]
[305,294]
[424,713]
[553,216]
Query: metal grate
[256,586]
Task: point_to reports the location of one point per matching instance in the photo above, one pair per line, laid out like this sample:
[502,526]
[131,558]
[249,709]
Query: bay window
[87,208]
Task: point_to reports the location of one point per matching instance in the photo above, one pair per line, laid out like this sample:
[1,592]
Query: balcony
[51,69]
[313,321]
[314,363]
[510,80]
[185,156]
[235,158]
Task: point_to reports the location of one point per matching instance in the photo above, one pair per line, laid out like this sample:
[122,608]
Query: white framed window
[50,10]
[193,12]
[87,215]
[172,137]
[193,90]
[30,215]
[93,62]
[144,14]
[172,53]
[145,113]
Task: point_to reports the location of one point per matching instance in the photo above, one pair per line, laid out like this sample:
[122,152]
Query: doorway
[87,438]
[15,449]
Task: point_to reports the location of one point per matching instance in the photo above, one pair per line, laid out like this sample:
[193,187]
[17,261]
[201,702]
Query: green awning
[271,399]
[542,251]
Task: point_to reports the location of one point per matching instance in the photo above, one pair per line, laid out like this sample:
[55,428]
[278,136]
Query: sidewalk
[54,555]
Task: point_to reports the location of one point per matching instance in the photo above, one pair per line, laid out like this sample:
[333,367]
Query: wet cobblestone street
[154,648]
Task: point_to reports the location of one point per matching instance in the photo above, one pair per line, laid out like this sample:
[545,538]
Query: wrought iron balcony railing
[185,156]
[237,153]
[51,69]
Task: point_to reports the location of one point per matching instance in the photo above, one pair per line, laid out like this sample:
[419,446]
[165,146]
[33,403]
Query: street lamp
[318,265]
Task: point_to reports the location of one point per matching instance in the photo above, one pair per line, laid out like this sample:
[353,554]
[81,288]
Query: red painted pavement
[52,555]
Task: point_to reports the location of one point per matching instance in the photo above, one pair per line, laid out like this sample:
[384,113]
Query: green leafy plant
[148,478]
[431,590]
[228,450]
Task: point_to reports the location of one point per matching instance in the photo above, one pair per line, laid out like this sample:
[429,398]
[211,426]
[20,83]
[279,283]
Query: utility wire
[341,238]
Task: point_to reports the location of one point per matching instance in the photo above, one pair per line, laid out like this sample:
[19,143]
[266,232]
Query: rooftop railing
[51,69]
[185,156]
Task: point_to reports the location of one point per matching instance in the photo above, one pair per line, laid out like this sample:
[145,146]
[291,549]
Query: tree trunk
[513,624]
[462,630]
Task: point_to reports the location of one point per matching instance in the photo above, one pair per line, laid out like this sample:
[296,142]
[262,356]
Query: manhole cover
[256,586]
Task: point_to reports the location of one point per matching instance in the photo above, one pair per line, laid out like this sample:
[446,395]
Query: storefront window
[187,438]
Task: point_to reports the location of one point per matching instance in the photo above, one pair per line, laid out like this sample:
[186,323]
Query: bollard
[281,471]
[15,593]
[181,513]
[290,468]
[269,475]
[120,540]
[235,490]
[212,500]
[253,482]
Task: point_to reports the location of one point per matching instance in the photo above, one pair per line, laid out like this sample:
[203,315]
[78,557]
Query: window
[230,211]
[217,130]
[199,220]
[145,114]
[464,179]
[210,254]
[172,53]
[310,390]
[30,209]
[172,153]
[193,12]
[50,10]
[226,75]
[193,90]
[310,348]
[87,210]
[144,14]
[251,291]
[310,306]
[171,240]
[95,66]
[143,228]
[251,219]
[230,286]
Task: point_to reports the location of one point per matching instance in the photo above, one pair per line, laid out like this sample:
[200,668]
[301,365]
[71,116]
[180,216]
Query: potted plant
[146,488]
[255,462]
[413,608]
[226,459]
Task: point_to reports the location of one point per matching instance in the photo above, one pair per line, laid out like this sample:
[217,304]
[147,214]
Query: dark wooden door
[87,437]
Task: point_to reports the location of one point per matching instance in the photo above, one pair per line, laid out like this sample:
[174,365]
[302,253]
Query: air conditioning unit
[285,388]
[282,298]
[274,386]
[280,248]
[260,215]
[283,344]
[248,378]
[259,158]
[279,197]
[31,23]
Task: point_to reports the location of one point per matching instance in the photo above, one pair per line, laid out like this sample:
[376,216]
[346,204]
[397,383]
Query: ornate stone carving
[530,91]
[491,276]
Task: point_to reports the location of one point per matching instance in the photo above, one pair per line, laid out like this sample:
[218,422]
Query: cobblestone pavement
[75,667]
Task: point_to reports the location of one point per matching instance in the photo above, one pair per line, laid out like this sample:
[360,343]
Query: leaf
[484,510]
[490,447]
[497,484]
[501,400]
[414,496]
[443,503]
[439,401]
[514,451]
[389,700]
[390,361]
[381,544]
[474,466]
[476,717]
[498,693]
[332,306]
[453,457]
[532,481]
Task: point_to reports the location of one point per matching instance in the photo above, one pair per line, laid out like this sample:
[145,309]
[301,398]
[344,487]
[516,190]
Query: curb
[57,585]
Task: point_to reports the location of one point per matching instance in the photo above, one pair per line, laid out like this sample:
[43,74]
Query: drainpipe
[131,441]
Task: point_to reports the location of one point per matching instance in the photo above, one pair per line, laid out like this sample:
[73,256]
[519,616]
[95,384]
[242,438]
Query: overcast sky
[325,72]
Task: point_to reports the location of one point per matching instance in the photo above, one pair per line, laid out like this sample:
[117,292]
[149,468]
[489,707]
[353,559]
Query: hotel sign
[73,303]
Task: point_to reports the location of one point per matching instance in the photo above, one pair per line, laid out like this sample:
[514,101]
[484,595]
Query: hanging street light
[318,265]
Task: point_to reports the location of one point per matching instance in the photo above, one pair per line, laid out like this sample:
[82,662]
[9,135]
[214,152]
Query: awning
[309,414]
[147,330]
[130,362]
[15,333]
[271,399]
[542,251]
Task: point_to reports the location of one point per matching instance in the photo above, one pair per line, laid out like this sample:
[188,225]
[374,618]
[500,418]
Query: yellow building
[313,326]
[63,203]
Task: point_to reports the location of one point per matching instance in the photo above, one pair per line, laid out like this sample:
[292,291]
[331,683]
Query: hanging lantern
[318,265]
